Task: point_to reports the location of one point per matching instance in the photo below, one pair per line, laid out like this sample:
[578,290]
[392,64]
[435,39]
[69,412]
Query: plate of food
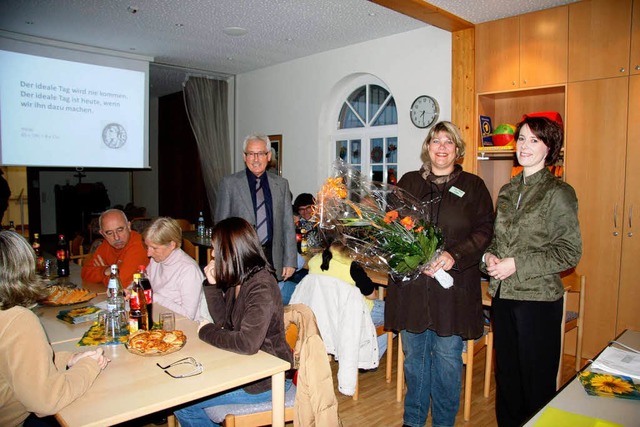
[63,295]
[155,342]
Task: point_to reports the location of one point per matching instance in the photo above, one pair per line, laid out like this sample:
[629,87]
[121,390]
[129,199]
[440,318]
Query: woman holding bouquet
[537,237]
[433,320]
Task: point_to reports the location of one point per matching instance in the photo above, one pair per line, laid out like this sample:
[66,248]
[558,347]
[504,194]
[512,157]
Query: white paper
[444,278]
[619,362]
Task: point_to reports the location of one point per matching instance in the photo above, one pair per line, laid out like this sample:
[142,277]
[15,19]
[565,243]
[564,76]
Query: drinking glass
[168,321]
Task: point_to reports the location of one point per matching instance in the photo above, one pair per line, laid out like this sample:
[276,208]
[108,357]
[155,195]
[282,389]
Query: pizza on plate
[156,342]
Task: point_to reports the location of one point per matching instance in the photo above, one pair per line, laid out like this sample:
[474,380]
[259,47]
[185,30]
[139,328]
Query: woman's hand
[210,272]
[97,355]
[498,268]
[444,261]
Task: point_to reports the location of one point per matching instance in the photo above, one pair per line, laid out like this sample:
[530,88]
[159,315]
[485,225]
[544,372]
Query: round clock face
[424,111]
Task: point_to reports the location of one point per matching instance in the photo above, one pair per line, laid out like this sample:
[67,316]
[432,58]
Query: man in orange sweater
[121,246]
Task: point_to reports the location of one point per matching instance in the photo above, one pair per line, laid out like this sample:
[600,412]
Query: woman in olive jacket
[434,321]
[537,236]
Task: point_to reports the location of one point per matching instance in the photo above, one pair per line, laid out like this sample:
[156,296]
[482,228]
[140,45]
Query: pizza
[156,342]
[62,295]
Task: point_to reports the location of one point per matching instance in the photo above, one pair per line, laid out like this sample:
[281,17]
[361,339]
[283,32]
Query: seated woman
[34,382]
[334,261]
[176,279]
[246,306]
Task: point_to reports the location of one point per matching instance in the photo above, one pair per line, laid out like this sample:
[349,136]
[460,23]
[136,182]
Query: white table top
[133,386]
[573,398]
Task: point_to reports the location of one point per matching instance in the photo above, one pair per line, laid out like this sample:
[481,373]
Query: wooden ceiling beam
[427,13]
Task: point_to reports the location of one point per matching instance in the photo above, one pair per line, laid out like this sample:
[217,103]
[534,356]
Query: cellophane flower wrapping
[386,228]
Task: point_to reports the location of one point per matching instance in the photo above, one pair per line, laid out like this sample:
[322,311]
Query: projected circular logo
[114,135]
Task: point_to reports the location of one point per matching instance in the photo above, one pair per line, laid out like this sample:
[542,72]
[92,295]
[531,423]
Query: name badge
[455,190]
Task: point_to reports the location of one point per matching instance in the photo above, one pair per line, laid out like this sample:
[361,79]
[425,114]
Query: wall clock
[424,111]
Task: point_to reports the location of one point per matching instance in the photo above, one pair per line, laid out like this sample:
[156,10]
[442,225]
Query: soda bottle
[62,256]
[36,248]
[138,317]
[200,225]
[115,293]
[148,291]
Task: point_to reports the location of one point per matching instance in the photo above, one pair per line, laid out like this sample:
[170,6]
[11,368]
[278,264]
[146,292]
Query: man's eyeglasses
[305,208]
[256,154]
[197,367]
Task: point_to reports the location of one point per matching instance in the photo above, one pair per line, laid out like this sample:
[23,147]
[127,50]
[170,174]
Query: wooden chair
[468,354]
[192,250]
[573,284]
[76,250]
[185,225]
[331,284]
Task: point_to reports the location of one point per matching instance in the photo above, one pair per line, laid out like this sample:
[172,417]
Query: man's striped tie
[261,213]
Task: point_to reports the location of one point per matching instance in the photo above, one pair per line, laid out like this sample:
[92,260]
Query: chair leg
[468,381]
[172,421]
[488,364]
[578,348]
[389,355]
[400,379]
[356,394]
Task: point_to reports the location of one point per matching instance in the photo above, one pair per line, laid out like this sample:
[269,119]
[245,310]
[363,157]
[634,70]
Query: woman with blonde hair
[176,279]
[34,382]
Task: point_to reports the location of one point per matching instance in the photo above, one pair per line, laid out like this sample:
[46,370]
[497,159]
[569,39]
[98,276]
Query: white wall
[299,99]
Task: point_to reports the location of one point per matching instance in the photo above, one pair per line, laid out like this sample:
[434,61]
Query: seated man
[121,246]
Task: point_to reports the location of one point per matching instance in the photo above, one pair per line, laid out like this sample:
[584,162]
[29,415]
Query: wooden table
[133,386]
[572,397]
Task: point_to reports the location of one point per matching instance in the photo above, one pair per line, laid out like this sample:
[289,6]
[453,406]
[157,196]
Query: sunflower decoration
[607,385]
[95,336]
[385,227]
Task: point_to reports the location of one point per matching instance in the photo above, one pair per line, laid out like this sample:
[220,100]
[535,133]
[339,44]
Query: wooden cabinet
[635,39]
[600,39]
[629,292]
[523,51]
[597,139]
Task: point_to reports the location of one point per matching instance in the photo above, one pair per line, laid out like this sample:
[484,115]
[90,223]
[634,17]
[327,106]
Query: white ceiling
[187,35]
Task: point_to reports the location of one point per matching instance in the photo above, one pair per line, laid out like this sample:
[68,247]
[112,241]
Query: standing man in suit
[264,200]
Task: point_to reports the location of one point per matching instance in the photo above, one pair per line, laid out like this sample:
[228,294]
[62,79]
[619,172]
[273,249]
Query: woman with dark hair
[246,306]
[32,378]
[537,236]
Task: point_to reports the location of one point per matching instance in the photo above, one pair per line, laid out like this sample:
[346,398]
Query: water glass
[168,321]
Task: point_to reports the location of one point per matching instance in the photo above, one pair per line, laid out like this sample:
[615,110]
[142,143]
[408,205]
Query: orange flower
[391,216]
[408,223]
[334,187]
[419,229]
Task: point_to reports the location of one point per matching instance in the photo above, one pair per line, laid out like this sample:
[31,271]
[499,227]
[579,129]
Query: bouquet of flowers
[385,227]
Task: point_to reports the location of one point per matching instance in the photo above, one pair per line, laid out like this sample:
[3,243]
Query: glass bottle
[148,291]
[115,293]
[39,257]
[200,225]
[304,245]
[62,256]
[138,317]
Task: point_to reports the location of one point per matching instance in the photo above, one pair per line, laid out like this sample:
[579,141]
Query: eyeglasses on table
[197,367]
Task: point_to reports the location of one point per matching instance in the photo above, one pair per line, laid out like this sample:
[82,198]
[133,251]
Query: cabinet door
[629,285]
[595,160]
[599,39]
[635,39]
[497,55]
[544,38]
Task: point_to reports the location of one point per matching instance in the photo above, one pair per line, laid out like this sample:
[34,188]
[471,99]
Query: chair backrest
[185,225]
[574,283]
[191,250]
[344,322]
[76,250]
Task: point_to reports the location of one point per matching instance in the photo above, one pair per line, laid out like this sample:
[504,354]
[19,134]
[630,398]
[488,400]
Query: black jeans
[527,344]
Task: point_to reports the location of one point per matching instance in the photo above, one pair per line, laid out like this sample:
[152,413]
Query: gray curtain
[205,101]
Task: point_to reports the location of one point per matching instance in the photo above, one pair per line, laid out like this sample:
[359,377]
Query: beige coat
[316,403]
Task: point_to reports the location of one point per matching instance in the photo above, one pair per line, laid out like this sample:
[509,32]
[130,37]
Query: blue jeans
[433,372]
[194,415]
[377,315]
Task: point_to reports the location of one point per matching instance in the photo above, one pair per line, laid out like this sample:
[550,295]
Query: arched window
[367,132]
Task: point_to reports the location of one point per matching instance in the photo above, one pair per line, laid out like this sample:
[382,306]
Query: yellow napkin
[553,417]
